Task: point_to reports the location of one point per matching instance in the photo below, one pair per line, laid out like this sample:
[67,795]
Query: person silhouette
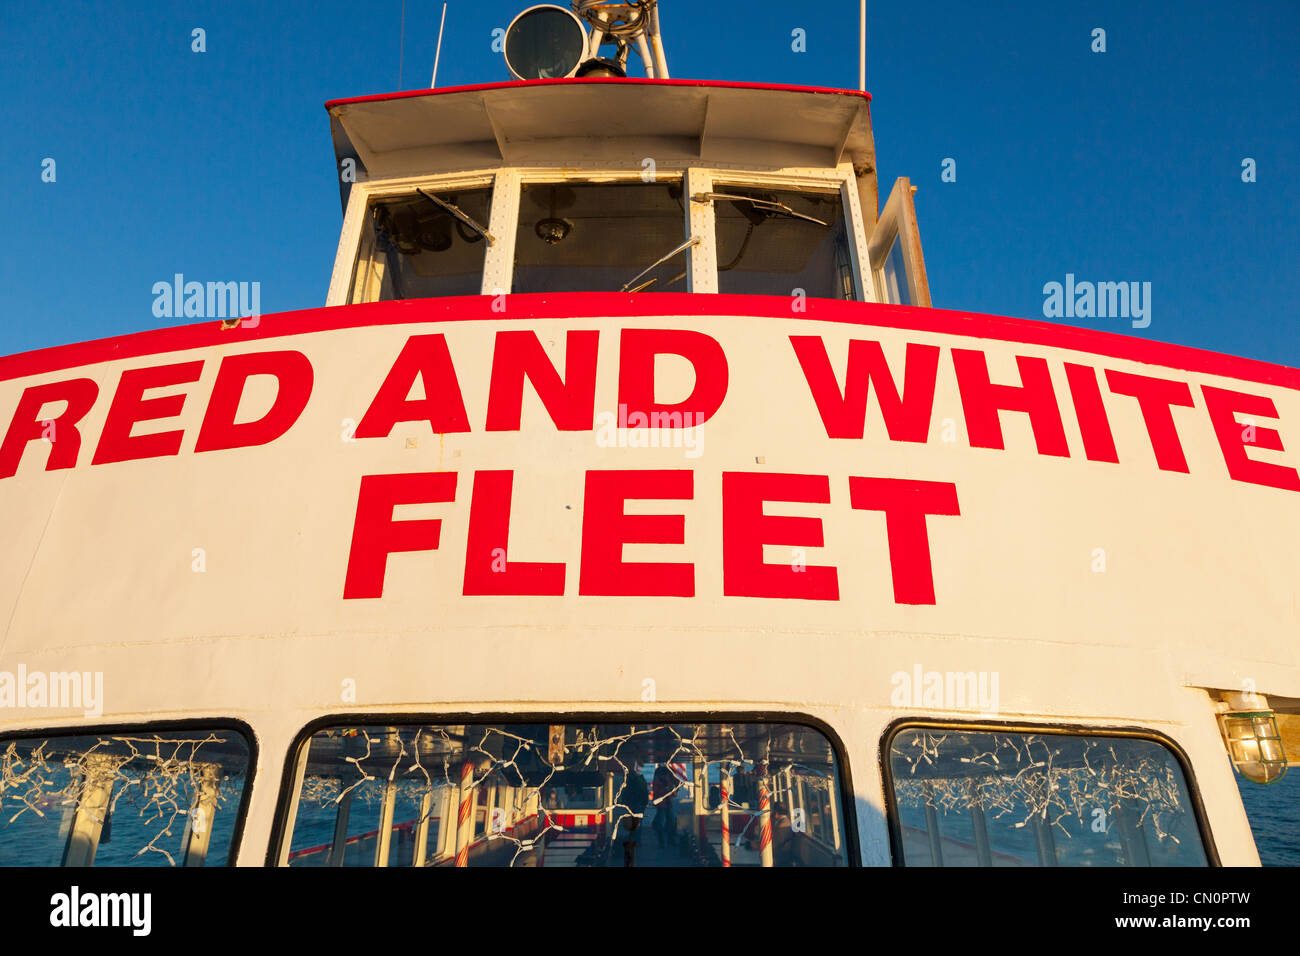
[634,795]
[665,788]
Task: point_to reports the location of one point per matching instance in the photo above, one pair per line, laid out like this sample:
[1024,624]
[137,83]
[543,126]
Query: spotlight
[545,41]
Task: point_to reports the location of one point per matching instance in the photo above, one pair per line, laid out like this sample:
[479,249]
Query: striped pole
[464,823]
[724,792]
[421,852]
[764,816]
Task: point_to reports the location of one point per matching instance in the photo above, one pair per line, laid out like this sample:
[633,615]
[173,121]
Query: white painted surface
[1199,591]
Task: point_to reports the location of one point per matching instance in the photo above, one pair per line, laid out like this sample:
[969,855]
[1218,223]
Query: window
[1012,798]
[573,794]
[775,241]
[893,275]
[600,237]
[895,251]
[412,247]
[123,798]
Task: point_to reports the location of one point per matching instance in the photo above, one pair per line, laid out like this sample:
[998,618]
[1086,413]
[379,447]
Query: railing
[405,832]
[578,829]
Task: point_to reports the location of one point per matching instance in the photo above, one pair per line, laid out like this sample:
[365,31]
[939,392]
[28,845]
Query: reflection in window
[582,794]
[414,248]
[893,275]
[598,237]
[765,250]
[165,798]
[1010,799]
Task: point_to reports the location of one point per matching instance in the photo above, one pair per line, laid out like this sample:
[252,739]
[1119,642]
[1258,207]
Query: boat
[629,503]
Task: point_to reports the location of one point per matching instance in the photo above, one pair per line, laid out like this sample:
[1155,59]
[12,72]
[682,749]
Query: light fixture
[1254,744]
[552,230]
[545,42]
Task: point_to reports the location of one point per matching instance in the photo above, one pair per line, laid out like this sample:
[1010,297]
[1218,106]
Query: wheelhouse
[598,185]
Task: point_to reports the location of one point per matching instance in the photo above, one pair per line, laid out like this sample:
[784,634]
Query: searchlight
[545,42]
[548,41]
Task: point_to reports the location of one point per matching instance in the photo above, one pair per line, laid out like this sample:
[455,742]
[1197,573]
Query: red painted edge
[582,306]
[577,81]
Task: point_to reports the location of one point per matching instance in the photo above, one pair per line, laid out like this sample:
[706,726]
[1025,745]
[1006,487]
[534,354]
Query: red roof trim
[580,305]
[578,81]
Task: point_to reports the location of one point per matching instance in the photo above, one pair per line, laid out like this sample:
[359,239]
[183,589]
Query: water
[1274,813]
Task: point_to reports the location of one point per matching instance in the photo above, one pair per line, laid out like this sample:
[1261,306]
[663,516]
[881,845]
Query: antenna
[438,53]
[862,46]
[401,46]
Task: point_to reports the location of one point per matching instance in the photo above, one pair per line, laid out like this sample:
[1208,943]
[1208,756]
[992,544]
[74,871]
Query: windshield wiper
[651,281]
[693,241]
[459,214]
[769,204]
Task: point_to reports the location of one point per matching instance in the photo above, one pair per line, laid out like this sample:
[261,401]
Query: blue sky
[1115,166]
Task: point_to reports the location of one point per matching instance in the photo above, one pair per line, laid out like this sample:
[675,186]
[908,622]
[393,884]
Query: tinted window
[152,798]
[578,794]
[964,798]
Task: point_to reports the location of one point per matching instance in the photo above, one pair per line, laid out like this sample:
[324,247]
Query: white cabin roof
[601,122]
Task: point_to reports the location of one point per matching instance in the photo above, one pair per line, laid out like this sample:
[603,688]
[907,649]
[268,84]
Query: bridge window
[1003,798]
[779,241]
[415,246]
[893,275]
[123,798]
[601,237]
[894,249]
[571,794]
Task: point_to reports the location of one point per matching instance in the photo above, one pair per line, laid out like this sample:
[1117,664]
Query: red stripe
[569,819]
[466,800]
[764,816]
[576,81]
[726,824]
[467,797]
[579,306]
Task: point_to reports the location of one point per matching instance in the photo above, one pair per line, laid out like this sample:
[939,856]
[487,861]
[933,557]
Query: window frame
[161,726]
[506,184]
[532,176]
[348,256]
[892,820]
[897,222]
[706,179]
[294,768]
